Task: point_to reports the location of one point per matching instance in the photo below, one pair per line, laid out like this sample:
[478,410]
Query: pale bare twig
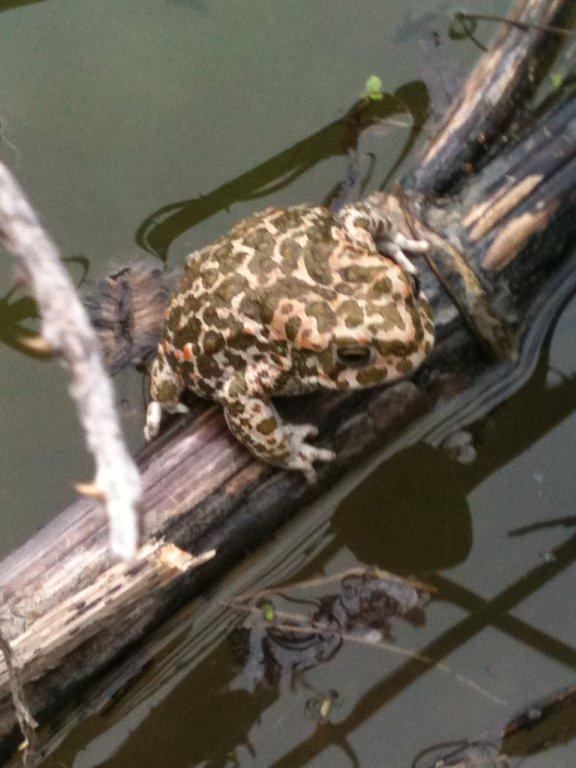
[66,331]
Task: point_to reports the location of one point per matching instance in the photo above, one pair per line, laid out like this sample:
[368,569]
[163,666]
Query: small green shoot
[373,88]
[268,612]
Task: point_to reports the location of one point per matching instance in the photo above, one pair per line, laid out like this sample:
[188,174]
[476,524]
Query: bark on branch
[489,96]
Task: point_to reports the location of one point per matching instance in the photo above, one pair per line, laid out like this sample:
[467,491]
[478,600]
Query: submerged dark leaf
[272,643]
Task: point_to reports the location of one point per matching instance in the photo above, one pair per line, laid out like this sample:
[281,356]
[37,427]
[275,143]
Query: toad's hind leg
[253,419]
[392,249]
[166,388]
[368,222]
[397,244]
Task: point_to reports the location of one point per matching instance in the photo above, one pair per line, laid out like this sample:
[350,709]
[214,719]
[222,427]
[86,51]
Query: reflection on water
[164,226]
[18,312]
[394,529]
[5,5]
[274,642]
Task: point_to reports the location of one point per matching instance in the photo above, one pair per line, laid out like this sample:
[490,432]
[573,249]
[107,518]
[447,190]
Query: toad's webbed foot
[153,420]
[284,445]
[395,249]
[154,416]
[302,455]
[165,389]
[254,420]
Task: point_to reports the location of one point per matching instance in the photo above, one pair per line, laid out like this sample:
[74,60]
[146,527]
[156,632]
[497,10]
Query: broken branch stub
[67,331]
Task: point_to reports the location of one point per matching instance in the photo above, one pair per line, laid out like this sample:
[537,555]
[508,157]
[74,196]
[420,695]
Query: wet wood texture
[483,107]
[70,612]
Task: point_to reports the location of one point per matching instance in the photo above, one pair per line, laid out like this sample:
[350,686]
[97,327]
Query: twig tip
[90,490]
[37,344]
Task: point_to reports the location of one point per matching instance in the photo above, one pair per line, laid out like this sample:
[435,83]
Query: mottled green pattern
[265,310]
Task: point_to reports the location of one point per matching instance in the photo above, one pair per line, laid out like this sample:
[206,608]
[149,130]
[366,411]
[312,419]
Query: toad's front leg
[165,390]
[253,419]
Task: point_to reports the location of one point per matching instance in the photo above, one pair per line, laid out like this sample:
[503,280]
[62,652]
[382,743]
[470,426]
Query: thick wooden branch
[490,96]
[505,212]
[69,611]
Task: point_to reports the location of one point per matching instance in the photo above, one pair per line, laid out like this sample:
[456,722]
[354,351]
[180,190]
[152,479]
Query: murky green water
[154,123]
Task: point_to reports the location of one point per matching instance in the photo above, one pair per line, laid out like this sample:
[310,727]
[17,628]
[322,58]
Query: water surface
[156,125]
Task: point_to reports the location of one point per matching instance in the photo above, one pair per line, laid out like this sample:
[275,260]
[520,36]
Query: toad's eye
[354,357]
[414,284]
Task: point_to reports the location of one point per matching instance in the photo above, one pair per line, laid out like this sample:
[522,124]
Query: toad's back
[246,295]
